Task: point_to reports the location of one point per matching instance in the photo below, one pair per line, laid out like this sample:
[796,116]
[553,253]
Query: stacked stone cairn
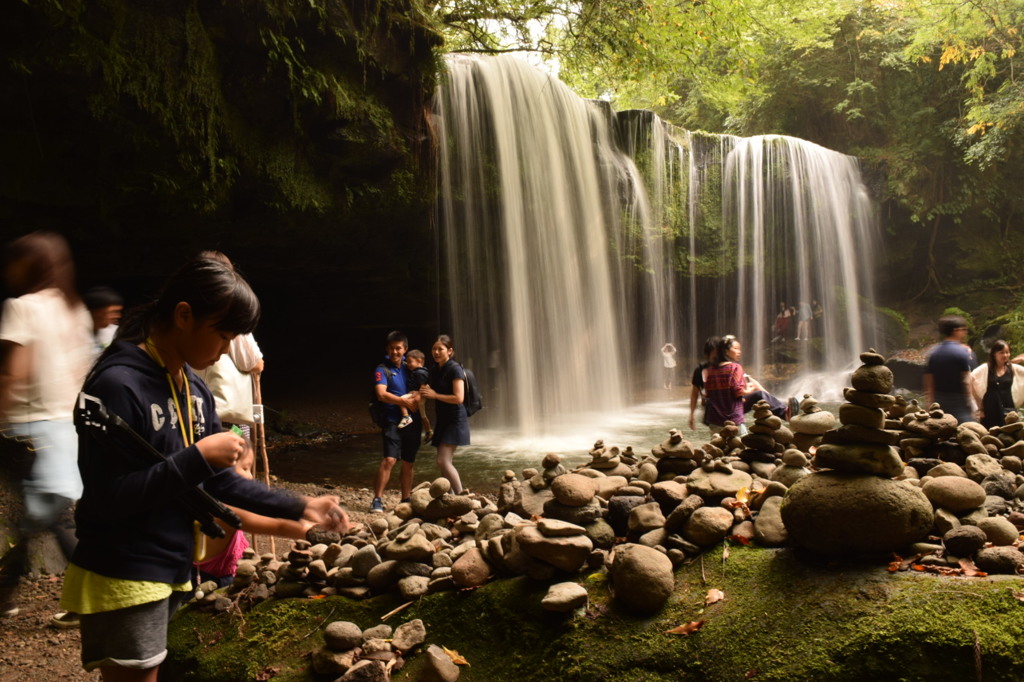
[765,443]
[855,505]
[810,425]
[350,653]
[972,476]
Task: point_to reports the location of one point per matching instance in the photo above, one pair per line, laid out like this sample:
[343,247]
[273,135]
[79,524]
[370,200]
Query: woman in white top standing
[45,331]
[998,385]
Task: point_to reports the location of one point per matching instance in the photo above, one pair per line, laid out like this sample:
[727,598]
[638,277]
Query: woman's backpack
[473,401]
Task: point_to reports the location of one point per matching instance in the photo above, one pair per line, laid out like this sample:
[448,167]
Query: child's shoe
[428,435]
[65,620]
[406,420]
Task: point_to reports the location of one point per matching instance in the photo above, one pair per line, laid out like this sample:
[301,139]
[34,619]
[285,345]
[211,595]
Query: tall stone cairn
[854,505]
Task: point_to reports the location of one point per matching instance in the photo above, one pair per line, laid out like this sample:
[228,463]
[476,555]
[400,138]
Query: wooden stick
[260,443]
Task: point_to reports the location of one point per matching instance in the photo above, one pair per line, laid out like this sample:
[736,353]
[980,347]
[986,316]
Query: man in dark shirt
[948,371]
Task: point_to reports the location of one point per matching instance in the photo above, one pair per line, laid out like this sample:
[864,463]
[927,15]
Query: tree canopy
[929,93]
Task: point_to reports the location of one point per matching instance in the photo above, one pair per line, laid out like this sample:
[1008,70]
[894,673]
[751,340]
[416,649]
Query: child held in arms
[414,360]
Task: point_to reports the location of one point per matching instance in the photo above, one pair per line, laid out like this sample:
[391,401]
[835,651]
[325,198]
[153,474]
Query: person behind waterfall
[46,336]
[137,535]
[804,315]
[726,385]
[391,384]
[668,362]
[697,381]
[448,387]
[998,385]
[947,377]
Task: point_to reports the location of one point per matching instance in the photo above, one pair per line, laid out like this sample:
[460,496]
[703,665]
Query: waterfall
[575,241]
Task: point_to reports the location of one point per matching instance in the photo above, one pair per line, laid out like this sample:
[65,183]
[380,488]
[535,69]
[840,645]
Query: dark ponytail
[212,288]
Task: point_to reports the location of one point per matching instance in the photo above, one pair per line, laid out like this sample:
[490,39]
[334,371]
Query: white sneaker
[406,420]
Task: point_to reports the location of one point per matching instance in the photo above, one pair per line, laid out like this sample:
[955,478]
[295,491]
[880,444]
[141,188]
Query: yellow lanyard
[187,436]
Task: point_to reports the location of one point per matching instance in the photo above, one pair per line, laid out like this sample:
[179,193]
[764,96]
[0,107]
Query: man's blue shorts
[402,443]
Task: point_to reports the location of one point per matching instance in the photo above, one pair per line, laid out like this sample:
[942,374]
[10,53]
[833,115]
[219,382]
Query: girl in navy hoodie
[137,539]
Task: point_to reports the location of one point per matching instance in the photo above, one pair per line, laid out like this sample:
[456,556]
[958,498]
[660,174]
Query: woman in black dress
[998,385]
[448,387]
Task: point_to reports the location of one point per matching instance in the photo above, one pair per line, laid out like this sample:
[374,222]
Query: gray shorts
[134,637]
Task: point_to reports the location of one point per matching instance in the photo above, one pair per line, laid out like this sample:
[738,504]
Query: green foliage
[191,106]
[893,327]
[972,329]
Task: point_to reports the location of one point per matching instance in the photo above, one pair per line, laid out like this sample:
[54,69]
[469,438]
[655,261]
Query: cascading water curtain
[528,182]
[806,232]
[576,241]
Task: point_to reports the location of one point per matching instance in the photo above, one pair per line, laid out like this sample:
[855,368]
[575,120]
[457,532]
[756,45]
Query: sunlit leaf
[713,597]
[687,629]
[457,658]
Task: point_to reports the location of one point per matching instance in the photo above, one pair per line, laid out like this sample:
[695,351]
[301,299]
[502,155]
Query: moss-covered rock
[783,617]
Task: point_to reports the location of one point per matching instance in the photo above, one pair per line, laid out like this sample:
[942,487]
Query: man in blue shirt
[391,380]
[948,372]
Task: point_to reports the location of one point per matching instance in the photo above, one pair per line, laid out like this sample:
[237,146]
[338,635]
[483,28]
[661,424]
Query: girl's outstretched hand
[221,449]
[326,511]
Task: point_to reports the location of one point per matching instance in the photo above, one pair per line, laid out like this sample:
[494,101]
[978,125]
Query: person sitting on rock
[697,381]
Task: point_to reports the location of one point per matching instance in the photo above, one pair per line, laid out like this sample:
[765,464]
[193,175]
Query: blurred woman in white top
[45,334]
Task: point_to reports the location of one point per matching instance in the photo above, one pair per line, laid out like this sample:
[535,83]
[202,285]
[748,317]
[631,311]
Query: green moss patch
[784,617]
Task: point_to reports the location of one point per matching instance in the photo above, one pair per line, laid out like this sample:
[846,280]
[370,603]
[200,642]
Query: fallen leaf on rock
[970,570]
[317,596]
[268,673]
[898,563]
[713,597]
[745,541]
[687,629]
[457,658]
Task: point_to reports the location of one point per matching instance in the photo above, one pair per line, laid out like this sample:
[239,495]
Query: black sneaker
[377,506]
[793,409]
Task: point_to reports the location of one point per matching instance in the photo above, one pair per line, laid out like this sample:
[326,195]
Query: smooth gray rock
[574,490]
[642,578]
[999,560]
[954,493]
[835,514]
[342,635]
[409,635]
[708,526]
[999,531]
[769,529]
[881,460]
[717,484]
[566,553]
[471,569]
[964,541]
[438,666]
[562,597]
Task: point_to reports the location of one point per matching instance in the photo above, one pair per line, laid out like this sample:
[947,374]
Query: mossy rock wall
[291,135]
[782,618]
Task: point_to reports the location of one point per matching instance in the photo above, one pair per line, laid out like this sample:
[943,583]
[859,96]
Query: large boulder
[835,514]
[642,578]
